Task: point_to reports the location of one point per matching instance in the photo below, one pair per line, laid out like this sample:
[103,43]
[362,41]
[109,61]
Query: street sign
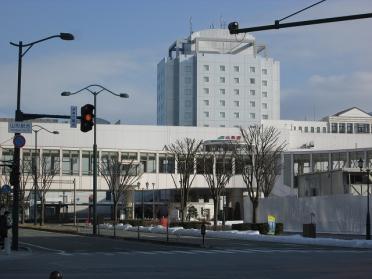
[19,127]
[6,189]
[73,118]
[19,141]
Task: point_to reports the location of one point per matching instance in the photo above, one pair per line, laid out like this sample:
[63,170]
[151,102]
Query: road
[91,257]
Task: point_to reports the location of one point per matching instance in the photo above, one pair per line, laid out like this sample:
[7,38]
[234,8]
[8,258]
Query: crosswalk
[210,251]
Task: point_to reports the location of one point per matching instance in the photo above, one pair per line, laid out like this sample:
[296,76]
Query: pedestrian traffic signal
[87,118]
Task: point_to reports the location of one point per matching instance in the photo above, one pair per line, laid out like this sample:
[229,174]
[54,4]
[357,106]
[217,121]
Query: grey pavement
[78,256]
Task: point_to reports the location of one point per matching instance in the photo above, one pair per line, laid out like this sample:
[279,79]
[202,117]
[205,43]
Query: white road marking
[43,248]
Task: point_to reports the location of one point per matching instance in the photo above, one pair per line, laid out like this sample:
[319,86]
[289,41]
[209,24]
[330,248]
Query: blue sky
[324,68]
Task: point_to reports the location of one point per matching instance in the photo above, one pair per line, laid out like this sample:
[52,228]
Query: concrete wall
[333,214]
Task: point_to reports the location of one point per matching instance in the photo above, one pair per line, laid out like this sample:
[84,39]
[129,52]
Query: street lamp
[368,221]
[91,89]
[153,201]
[18,117]
[37,129]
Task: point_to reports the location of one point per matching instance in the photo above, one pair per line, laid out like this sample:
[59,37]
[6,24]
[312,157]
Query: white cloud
[327,95]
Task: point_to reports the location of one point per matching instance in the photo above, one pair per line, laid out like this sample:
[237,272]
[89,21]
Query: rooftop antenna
[222,23]
[190,22]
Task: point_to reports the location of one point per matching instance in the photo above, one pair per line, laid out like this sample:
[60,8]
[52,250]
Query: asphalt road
[90,257]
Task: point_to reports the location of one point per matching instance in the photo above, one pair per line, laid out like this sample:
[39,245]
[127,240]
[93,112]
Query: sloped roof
[352,112]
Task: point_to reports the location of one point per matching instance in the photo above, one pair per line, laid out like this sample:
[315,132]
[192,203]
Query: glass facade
[70,162]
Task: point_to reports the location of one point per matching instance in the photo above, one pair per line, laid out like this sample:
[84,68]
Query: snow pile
[246,235]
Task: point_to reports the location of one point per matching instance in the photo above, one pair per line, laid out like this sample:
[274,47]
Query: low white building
[311,146]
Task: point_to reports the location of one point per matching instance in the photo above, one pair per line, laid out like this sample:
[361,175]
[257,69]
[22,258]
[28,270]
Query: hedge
[263,228]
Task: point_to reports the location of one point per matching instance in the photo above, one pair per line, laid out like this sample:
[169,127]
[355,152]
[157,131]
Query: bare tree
[185,151]
[48,170]
[24,177]
[258,157]
[217,171]
[121,178]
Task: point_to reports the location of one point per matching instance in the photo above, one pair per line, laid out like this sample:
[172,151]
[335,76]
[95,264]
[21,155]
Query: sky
[324,68]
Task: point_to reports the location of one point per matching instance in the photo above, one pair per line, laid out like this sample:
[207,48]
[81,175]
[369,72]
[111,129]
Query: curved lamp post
[37,129]
[95,89]
[18,117]
[368,221]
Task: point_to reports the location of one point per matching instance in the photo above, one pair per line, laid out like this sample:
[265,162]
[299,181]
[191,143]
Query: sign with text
[73,118]
[19,127]
[271,220]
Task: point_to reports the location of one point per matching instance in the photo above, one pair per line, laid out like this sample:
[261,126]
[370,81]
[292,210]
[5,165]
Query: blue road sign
[6,189]
[19,141]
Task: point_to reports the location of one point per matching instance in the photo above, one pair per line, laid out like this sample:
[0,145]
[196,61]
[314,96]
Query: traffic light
[87,118]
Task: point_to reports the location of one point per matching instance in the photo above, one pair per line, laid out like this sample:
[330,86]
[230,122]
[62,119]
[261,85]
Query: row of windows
[236,69]
[311,130]
[350,128]
[223,80]
[222,103]
[222,91]
[49,162]
[236,115]
[71,161]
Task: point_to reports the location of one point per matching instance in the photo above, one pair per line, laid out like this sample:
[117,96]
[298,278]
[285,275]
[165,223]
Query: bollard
[202,231]
[55,275]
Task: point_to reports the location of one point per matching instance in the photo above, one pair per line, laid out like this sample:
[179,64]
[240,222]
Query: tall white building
[214,79]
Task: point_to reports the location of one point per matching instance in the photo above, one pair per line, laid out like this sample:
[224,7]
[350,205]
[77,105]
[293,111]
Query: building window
[206,102]
[306,129]
[236,103]
[70,162]
[222,103]
[252,92]
[334,128]
[236,80]
[206,114]
[236,69]
[264,71]
[264,82]
[264,105]
[236,114]
[51,162]
[206,67]
[222,91]
[222,68]
[87,162]
[318,129]
[205,125]
[252,104]
[129,156]
[188,69]
[341,127]
[252,115]
[264,94]
[166,163]
[206,90]
[148,162]
[236,91]
[312,129]
[188,91]
[300,128]
[206,79]
[252,81]
[265,116]
[222,126]
[222,114]
[324,130]
[252,69]
[349,128]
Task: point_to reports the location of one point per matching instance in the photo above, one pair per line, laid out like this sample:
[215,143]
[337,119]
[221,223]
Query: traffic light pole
[95,168]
